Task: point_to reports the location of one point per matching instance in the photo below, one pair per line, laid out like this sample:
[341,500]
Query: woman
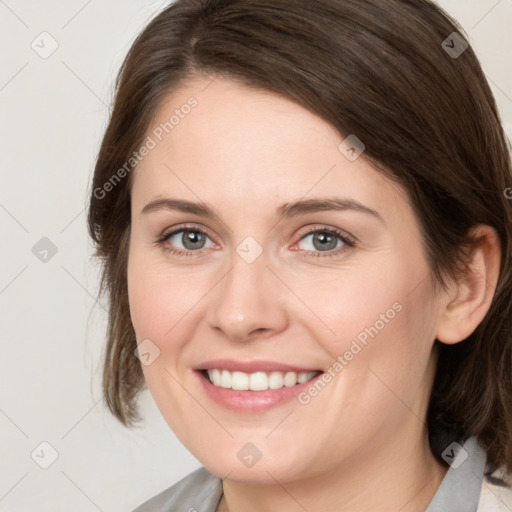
[302,213]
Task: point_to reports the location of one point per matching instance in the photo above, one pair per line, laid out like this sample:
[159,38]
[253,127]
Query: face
[261,250]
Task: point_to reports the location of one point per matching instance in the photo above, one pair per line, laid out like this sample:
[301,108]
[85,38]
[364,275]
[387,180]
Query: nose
[248,302]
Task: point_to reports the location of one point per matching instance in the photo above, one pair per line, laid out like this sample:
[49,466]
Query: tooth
[215,377]
[290,379]
[239,381]
[225,381]
[258,381]
[275,380]
[303,377]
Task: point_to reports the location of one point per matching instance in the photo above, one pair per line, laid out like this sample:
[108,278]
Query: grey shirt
[463,489]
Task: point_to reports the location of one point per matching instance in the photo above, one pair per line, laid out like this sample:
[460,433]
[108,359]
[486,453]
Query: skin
[361,443]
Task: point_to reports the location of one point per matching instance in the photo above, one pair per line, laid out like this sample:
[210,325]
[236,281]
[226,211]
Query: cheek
[378,317]
[162,300]
[351,302]
[146,298]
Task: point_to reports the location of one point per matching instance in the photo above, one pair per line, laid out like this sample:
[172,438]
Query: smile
[254,392]
[258,381]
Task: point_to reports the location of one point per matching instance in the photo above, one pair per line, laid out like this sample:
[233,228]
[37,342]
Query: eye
[323,240]
[185,241]
[190,240]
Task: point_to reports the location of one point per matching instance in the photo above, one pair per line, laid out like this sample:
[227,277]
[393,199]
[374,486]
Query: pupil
[193,240]
[324,241]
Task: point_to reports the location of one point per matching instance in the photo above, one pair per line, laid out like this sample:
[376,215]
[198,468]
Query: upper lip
[251,366]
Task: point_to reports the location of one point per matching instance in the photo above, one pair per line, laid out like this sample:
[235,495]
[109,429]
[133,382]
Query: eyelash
[349,242]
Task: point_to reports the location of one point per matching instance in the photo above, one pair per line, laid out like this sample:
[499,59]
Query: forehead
[217,140]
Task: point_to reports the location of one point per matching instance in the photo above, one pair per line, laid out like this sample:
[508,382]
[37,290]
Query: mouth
[254,385]
[255,392]
[257,381]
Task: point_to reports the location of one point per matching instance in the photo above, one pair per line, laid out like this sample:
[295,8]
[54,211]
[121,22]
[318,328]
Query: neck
[403,475]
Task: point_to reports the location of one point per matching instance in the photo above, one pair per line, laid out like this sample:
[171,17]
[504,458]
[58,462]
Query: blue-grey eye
[190,239]
[321,241]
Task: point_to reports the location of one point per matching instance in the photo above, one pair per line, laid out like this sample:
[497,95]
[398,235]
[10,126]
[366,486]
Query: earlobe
[468,300]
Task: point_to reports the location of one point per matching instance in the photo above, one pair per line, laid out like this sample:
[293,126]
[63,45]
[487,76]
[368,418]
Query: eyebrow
[287,210]
[328,204]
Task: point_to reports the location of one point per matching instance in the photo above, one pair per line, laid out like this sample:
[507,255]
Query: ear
[468,300]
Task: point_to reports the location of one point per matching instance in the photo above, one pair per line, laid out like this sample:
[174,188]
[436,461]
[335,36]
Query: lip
[252,366]
[251,401]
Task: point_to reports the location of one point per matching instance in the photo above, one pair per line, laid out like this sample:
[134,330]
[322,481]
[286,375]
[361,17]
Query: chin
[266,470]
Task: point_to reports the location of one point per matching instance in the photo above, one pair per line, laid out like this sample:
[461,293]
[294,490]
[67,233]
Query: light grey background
[53,114]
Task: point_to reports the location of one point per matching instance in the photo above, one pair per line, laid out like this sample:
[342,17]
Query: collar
[460,489]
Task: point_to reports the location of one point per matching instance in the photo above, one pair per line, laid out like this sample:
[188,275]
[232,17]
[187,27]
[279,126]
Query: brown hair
[377,69]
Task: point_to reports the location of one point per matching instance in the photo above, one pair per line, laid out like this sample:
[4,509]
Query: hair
[375,69]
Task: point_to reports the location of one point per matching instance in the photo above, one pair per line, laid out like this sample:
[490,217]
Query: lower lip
[252,401]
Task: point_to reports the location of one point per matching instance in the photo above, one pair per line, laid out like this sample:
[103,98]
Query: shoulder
[495,497]
[199,491]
